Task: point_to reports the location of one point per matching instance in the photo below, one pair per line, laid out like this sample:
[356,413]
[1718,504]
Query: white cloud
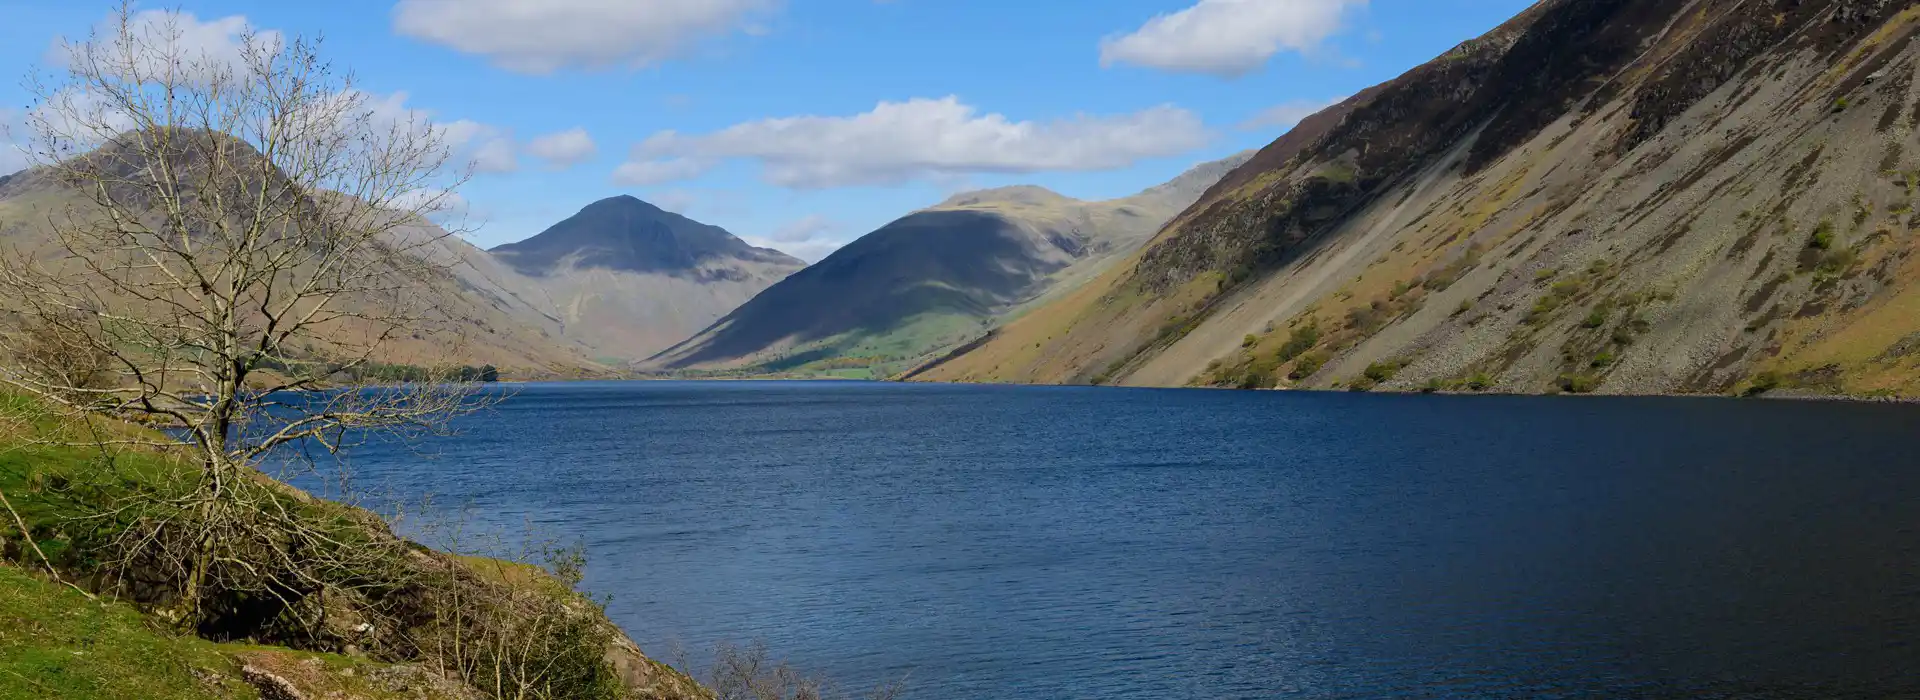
[921,139]
[806,229]
[13,158]
[1228,37]
[638,173]
[75,120]
[805,238]
[163,44]
[430,202]
[541,36]
[677,201]
[563,149]
[495,155]
[487,148]
[809,251]
[1288,115]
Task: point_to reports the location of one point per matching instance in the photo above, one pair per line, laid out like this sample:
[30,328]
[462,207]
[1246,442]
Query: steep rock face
[628,279]
[1611,195]
[937,278]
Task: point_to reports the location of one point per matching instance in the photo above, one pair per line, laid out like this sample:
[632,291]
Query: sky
[804,124]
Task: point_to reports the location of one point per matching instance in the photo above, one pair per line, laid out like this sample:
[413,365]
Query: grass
[55,643]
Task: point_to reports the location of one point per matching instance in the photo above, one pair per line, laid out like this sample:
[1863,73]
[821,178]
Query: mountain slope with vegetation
[1617,196]
[629,279]
[485,313]
[936,278]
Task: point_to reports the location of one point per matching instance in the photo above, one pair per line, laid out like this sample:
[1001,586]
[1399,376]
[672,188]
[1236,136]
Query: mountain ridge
[934,278]
[628,279]
[1622,196]
[626,233]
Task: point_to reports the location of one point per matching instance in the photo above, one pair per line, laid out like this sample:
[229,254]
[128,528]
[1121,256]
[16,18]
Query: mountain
[935,278]
[629,279]
[1622,196]
[503,319]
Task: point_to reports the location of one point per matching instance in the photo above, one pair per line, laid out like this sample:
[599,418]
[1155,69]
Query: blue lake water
[1039,543]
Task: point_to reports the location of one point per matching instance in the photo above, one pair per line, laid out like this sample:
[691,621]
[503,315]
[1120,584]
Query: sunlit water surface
[999,542]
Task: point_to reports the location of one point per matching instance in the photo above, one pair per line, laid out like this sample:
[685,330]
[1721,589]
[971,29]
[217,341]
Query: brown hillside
[1626,196]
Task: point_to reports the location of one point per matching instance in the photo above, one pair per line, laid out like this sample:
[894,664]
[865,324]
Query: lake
[1009,542]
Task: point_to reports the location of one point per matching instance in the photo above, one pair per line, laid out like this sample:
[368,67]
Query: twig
[27,535]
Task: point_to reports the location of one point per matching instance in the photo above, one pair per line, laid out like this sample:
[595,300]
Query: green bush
[1381,372]
[1300,341]
[1604,359]
[1763,383]
[1259,374]
[1579,383]
[1480,382]
[1308,365]
[1822,238]
[1596,318]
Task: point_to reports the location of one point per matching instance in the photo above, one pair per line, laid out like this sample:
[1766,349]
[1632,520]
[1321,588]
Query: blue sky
[803,124]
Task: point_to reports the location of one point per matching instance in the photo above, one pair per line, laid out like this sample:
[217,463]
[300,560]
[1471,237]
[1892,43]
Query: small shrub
[1308,365]
[750,673]
[1579,383]
[1247,342]
[1299,341]
[1763,383]
[1595,319]
[1546,274]
[1381,372]
[1480,382]
[1260,374]
[1367,319]
[1604,359]
[1465,306]
[1362,384]
[1822,238]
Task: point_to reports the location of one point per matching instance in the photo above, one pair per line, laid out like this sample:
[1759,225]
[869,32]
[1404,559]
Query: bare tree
[246,235]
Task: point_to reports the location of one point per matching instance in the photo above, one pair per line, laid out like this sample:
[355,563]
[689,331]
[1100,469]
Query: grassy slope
[56,643]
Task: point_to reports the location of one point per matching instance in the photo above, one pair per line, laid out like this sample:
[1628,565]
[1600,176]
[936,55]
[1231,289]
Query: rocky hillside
[936,278]
[1618,196]
[629,279]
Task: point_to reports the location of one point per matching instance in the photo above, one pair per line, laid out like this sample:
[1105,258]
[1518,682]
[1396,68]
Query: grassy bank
[355,612]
